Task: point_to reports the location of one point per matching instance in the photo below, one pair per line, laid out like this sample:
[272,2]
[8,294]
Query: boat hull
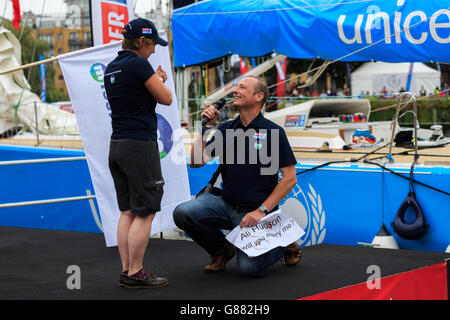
[338,204]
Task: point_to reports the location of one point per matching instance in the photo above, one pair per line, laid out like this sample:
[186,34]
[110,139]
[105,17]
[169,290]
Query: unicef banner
[83,72]
[108,18]
[350,30]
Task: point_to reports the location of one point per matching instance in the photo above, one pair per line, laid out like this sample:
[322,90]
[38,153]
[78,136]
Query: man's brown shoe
[218,263]
[293,254]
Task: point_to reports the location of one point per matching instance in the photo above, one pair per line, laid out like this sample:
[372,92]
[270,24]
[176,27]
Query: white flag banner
[109,17]
[83,72]
[277,229]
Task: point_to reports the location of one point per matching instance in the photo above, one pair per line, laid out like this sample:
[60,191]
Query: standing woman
[134,88]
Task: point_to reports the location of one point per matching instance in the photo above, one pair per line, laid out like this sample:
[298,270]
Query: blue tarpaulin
[349,30]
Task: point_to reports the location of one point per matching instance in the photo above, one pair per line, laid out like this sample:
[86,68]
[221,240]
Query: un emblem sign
[308,212]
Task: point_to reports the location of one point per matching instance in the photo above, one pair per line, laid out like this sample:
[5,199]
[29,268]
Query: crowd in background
[442,92]
[296,89]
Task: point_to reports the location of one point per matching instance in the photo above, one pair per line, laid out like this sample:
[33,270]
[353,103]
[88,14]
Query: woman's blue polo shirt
[133,112]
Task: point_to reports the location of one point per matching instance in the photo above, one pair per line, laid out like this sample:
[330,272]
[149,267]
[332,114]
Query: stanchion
[37,125]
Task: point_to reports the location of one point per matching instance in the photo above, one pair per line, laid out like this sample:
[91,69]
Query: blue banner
[348,30]
[410,73]
[42,73]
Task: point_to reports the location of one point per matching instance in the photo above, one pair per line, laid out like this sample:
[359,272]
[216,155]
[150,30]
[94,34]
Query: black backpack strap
[210,186]
[214,177]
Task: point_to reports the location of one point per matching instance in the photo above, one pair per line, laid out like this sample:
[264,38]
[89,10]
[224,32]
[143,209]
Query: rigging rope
[379,165]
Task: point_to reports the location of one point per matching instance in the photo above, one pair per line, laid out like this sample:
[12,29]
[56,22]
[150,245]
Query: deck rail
[46,201]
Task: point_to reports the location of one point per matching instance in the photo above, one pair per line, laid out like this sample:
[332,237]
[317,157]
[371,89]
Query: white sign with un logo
[83,72]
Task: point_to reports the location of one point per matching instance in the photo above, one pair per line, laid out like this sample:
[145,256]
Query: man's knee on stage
[183,215]
[250,268]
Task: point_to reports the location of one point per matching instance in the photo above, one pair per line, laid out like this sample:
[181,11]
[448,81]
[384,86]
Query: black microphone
[218,105]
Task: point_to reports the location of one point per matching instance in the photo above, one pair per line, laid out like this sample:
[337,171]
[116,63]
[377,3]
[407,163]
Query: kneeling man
[252,150]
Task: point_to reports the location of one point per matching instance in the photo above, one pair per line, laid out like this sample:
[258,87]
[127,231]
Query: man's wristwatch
[263,209]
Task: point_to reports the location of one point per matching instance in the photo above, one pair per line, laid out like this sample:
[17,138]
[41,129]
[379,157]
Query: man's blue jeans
[203,217]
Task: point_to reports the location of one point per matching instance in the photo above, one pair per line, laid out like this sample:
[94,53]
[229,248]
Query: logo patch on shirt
[259,135]
[258,145]
[113,75]
[146,31]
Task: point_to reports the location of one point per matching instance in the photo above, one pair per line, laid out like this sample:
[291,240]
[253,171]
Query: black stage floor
[33,265]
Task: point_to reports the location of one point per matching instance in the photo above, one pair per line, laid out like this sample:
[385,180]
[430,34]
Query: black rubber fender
[410,231]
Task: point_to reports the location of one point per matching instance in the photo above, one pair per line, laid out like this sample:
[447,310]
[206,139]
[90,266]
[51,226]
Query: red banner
[114,18]
[428,283]
[243,65]
[16,12]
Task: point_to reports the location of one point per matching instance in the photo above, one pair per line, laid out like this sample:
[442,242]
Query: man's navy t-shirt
[132,105]
[244,184]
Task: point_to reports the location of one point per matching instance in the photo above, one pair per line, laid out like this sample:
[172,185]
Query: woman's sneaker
[144,279]
[122,277]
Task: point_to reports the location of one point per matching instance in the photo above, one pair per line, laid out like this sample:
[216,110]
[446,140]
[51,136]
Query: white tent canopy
[373,76]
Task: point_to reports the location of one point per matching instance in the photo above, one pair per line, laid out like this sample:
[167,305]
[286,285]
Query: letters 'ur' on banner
[109,17]
[83,73]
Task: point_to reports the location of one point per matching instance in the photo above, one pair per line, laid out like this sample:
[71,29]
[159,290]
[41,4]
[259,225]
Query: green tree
[31,49]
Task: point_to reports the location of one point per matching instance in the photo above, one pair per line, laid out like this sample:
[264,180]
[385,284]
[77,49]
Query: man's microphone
[218,105]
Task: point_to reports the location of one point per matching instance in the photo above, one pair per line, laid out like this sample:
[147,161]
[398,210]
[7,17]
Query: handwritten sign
[277,229]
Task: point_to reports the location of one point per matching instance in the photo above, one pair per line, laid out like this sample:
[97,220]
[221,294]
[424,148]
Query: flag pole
[30,65]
